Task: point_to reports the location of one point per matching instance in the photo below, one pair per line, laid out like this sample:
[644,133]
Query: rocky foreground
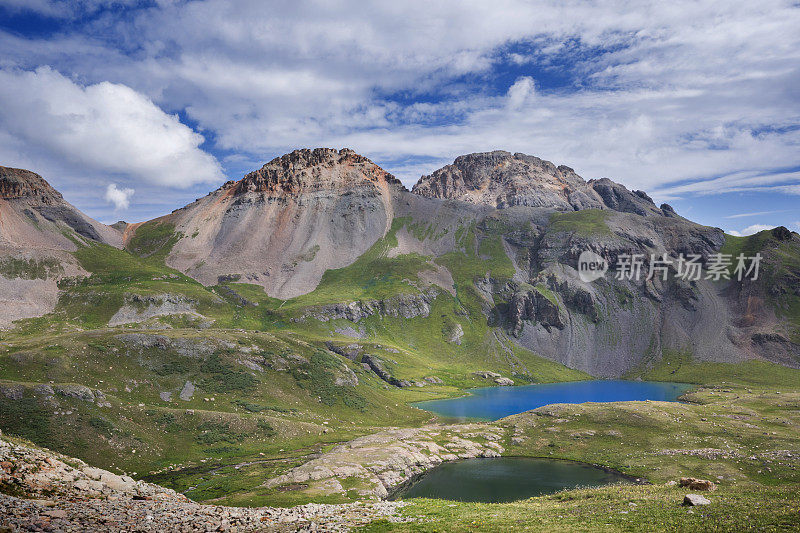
[45,491]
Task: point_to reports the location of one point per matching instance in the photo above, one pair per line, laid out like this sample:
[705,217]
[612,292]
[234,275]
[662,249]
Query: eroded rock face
[319,169]
[35,214]
[501,179]
[532,305]
[138,308]
[19,183]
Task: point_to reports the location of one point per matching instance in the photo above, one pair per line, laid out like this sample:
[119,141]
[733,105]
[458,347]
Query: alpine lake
[505,479]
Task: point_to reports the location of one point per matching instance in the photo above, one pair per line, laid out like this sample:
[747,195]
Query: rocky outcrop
[138,308]
[37,473]
[533,305]
[402,306]
[618,198]
[501,179]
[18,183]
[34,215]
[375,364]
[495,377]
[381,463]
[697,484]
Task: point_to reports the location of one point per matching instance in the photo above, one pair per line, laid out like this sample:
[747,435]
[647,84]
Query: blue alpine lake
[492,403]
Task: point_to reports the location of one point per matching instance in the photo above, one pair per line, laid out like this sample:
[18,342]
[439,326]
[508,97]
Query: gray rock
[80,392]
[187,391]
[43,390]
[138,308]
[695,499]
[402,306]
[12,392]
[455,334]
[532,305]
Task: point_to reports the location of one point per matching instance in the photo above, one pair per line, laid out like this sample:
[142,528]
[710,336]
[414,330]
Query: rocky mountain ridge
[501,179]
[313,212]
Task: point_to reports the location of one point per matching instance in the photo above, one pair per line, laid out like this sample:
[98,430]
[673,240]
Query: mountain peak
[501,179]
[16,183]
[308,170]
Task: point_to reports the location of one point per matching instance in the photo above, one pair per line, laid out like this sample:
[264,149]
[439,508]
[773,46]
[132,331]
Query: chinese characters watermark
[690,267]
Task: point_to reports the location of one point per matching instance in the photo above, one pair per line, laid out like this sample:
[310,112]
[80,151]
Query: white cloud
[754,214]
[522,89]
[677,98]
[121,198]
[104,127]
[750,230]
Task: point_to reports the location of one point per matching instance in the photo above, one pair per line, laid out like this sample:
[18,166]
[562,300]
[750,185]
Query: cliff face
[501,179]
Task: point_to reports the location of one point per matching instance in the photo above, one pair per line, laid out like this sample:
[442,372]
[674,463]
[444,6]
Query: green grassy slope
[269,393]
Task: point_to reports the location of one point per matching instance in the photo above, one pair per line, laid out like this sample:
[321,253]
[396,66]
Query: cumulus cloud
[520,91]
[750,230]
[104,127]
[678,98]
[121,198]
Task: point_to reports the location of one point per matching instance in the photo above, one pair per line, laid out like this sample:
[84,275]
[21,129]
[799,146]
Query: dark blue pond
[492,403]
[506,479]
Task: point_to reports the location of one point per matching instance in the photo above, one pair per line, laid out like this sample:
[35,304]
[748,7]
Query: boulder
[695,499]
[80,392]
[697,484]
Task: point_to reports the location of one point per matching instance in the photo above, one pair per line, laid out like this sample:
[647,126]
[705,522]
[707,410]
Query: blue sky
[133,109]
